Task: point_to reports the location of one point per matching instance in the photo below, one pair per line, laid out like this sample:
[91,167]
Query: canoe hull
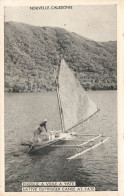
[40,146]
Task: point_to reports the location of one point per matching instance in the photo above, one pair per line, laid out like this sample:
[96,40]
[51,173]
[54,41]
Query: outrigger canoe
[75,107]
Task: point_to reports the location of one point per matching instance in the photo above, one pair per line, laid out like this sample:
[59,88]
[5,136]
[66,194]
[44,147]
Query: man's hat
[45,120]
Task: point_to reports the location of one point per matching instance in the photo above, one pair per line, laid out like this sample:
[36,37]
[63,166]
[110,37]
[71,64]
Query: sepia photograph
[60,98]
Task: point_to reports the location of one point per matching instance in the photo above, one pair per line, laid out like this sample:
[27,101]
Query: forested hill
[33,53]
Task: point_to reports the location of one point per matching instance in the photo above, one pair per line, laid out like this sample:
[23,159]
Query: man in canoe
[40,129]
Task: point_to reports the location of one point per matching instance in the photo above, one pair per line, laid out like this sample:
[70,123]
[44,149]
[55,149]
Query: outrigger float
[75,107]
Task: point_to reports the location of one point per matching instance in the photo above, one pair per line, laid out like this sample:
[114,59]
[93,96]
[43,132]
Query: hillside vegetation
[32,58]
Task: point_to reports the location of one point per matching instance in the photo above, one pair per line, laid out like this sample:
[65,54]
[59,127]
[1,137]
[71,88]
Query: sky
[96,22]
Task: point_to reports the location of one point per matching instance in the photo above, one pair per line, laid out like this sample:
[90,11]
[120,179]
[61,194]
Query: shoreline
[46,91]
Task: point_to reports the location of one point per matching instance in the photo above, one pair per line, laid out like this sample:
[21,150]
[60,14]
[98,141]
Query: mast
[60,107]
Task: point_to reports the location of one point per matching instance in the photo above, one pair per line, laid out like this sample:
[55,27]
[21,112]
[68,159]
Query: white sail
[76,106]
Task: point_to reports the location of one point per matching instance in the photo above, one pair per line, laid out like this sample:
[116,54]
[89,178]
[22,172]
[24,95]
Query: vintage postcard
[60,130]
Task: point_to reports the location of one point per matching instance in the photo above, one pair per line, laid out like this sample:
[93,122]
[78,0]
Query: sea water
[96,168]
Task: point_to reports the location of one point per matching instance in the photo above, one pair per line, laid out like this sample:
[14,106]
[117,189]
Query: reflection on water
[98,167]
